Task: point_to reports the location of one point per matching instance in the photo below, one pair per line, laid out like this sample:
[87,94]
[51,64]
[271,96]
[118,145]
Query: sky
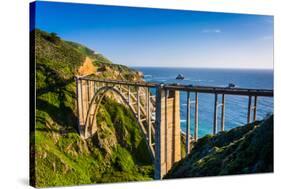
[163,38]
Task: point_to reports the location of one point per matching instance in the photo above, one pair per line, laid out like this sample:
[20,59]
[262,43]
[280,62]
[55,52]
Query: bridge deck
[191,88]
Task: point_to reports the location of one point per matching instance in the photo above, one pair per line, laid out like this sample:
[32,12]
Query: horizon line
[233,68]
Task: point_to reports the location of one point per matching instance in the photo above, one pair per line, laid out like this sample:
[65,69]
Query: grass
[116,153]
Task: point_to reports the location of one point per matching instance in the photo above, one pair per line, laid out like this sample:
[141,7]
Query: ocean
[235,106]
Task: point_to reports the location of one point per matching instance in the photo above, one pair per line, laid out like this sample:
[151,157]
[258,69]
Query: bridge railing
[216,91]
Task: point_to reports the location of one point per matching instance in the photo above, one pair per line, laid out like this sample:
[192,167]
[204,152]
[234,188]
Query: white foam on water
[147,75]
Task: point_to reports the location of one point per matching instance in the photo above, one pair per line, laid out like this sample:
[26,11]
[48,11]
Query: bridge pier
[167,134]
[85,90]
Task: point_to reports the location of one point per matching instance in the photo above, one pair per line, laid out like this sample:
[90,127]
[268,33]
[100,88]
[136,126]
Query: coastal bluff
[116,153]
[242,150]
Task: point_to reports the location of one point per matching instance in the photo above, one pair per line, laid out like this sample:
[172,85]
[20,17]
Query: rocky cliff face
[243,150]
[117,152]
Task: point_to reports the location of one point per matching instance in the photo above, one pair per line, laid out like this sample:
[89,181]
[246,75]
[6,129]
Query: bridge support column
[81,108]
[167,135]
[85,91]
[78,104]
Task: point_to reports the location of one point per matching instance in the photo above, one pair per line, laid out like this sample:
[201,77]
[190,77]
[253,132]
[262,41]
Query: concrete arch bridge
[158,116]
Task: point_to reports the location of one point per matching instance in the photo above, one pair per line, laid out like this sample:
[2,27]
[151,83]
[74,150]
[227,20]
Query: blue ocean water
[235,106]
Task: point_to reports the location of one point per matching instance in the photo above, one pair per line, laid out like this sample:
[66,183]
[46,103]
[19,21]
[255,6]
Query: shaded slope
[246,149]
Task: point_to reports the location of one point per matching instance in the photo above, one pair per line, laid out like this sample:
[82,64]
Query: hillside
[117,152]
[242,150]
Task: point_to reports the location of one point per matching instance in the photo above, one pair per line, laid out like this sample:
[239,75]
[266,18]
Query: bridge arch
[95,104]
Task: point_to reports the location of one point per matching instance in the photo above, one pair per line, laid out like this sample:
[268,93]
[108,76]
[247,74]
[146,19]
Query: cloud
[211,31]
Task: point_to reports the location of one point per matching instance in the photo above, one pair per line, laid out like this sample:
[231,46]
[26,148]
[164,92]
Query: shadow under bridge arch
[91,122]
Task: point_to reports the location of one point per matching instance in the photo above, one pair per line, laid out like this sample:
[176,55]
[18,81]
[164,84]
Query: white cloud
[211,31]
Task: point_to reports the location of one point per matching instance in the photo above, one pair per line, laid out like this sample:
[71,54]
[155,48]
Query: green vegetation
[246,149]
[117,152]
